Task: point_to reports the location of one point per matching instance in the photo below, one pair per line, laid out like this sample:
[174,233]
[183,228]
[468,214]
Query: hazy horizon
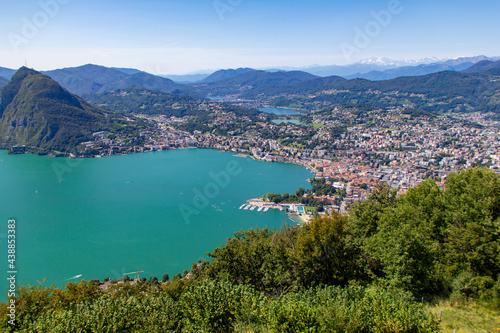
[167,37]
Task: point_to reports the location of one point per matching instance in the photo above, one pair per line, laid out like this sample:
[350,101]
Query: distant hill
[37,112]
[3,82]
[225,74]
[93,79]
[483,66]
[87,79]
[129,71]
[186,79]
[251,80]
[7,73]
[139,100]
[152,82]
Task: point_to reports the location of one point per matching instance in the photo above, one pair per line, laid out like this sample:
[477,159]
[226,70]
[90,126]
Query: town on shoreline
[395,148]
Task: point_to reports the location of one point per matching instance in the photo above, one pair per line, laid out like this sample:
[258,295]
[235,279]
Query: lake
[279,111]
[222,99]
[286,121]
[157,211]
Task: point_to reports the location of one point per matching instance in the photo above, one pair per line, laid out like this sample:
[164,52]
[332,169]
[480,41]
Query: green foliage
[426,239]
[352,309]
[219,306]
[214,306]
[156,313]
[259,257]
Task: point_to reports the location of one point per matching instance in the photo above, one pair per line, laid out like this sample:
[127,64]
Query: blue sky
[183,36]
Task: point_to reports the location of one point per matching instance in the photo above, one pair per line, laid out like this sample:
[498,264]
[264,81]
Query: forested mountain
[92,79]
[37,112]
[225,74]
[251,80]
[438,92]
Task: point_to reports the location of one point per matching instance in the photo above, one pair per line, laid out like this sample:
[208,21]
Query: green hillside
[438,92]
[37,112]
[137,99]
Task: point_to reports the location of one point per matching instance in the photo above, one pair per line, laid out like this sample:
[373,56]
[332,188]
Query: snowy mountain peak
[384,61]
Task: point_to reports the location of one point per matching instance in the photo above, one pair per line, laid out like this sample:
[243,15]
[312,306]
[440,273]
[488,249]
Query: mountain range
[437,92]
[93,79]
[383,68]
[37,112]
[90,79]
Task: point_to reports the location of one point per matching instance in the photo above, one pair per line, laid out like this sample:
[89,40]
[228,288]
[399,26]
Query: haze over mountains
[371,69]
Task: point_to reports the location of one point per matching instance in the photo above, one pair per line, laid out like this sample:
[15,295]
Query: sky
[198,36]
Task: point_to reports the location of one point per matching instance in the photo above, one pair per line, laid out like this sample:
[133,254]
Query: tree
[324,255]
[165,278]
[473,222]
[259,257]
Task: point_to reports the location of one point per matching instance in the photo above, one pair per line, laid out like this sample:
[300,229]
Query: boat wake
[74,277]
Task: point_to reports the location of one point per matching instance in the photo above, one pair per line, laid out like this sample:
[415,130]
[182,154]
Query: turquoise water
[158,212]
[287,121]
[279,111]
[221,98]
